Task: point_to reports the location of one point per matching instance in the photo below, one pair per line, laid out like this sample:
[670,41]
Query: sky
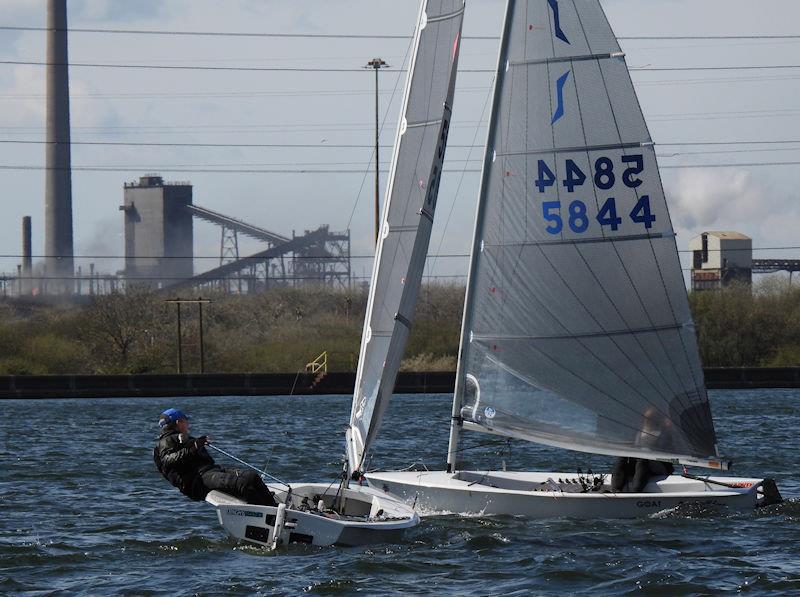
[322,109]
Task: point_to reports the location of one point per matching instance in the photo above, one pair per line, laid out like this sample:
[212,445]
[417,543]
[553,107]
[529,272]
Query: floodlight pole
[377,64]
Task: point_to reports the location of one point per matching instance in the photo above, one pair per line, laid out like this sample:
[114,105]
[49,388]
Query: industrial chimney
[27,253]
[58,175]
[27,257]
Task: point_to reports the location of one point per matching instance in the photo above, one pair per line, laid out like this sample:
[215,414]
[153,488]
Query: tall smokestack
[27,252]
[58,176]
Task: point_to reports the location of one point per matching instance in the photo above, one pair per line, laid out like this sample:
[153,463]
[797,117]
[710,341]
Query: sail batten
[535,151]
[572,336]
[407,218]
[576,58]
[578,241]
[577,329]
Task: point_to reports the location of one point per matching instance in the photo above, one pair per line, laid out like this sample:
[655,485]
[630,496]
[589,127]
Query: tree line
[282,329]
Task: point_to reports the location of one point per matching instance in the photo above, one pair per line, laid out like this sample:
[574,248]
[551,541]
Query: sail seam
[559,59]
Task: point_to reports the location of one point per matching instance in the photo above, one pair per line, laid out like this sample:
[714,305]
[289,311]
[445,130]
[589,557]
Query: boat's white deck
[525,482]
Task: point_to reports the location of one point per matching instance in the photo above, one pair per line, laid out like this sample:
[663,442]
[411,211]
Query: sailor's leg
[220,479]
[640,476]
[245,485]
[620,474]
[252,489]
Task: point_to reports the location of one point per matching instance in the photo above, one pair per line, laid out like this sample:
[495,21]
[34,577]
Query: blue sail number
[546,177]
[641,213]
[604,176]
[575,176]
[607,216]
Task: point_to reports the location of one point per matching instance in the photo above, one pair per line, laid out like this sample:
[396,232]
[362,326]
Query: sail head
[577,329]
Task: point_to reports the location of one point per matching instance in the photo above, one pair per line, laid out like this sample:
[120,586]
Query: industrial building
[159,236]
[720,259]
[159,246]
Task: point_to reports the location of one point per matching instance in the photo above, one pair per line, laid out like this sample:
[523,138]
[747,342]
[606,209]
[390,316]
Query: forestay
[407,217]
[577,329]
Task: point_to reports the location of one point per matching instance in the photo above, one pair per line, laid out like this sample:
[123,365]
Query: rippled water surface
[83,510]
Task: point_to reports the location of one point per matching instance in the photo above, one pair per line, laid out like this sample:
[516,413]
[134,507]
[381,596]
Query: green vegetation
[283,329]
[277,331]
[744,327]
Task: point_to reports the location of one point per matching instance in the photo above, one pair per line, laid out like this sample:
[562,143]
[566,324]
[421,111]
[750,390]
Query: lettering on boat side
[648,504]
[238,512]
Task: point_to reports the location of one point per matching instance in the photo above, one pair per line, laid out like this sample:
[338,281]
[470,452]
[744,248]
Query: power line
[308,69]
[703,37]
[200,170]
[211,33]
[216,257]
[712,68]
[365,256]
[216,170]
[164,32]
[229,145]
[347,145]
[301,69]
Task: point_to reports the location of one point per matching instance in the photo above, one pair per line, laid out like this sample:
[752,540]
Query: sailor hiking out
[184,461]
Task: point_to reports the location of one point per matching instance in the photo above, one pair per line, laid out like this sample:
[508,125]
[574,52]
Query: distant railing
[318,364]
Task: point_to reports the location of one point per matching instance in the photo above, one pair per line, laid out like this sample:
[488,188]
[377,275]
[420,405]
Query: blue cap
[170,416]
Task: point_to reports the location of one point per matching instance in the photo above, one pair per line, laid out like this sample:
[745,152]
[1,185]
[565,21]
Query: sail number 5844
[605,178]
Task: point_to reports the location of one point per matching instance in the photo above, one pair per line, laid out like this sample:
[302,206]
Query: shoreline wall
[304,384]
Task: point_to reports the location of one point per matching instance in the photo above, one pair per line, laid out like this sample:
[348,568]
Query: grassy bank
[281,330]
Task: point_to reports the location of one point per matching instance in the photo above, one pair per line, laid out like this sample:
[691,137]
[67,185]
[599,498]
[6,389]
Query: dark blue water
[83,511]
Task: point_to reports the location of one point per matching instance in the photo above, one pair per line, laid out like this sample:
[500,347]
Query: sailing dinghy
[355,514]
[577,331]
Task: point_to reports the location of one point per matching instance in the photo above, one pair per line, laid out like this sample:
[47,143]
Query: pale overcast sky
[337,108]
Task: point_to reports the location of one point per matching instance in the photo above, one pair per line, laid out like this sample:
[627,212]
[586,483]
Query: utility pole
[377,64]
[199,302]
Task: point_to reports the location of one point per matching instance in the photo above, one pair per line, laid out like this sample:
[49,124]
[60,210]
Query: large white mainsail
[407,217]
[577,331]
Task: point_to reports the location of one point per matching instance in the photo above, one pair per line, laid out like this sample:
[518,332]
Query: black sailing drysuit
[185,462]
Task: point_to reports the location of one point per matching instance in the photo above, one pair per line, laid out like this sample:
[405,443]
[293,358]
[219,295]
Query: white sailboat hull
[369,517]
[534,494]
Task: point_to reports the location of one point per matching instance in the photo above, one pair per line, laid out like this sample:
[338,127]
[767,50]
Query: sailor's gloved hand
[200,442]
